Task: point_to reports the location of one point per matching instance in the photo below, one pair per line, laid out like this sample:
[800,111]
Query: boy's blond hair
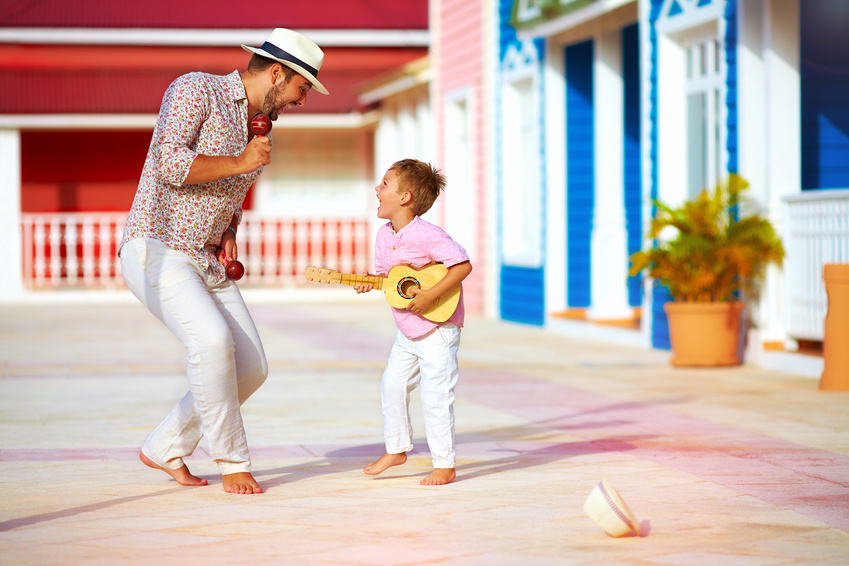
[422,180]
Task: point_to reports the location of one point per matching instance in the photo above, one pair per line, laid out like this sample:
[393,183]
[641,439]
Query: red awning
[132,80]
[216,14]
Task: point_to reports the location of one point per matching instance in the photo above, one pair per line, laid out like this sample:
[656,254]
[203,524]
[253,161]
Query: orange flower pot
[704,334]
[835,354]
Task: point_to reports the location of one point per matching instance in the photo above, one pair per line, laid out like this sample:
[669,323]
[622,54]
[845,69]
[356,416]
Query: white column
[784,145]
[609,236]
[770,137]
[385,152]
[11,276]
[555,171]
[646,159]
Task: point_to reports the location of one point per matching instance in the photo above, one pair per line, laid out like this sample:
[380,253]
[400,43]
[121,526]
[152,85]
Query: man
[181,232]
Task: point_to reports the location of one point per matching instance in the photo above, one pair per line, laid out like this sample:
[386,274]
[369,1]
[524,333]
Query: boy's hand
[424,298]
[364,287]
[421,301]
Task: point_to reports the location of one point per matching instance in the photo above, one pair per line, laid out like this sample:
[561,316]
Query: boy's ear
[406,198]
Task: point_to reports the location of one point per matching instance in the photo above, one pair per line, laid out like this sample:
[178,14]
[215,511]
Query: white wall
[11,276]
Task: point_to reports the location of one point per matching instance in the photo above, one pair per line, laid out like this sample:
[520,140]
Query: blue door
[580,172]
[633,174]
[825,94]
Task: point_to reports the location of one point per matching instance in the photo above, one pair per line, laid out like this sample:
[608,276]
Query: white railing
[72,250]
[817,234]
[76,250]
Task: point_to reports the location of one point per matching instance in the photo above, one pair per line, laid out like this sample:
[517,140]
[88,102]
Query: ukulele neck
[353,280]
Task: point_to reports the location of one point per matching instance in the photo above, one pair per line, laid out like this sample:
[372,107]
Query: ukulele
[397,285]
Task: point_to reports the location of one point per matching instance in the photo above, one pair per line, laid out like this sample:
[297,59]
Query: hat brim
[617,502]
[300,70]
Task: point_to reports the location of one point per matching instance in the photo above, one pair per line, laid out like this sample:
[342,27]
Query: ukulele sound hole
[406,284]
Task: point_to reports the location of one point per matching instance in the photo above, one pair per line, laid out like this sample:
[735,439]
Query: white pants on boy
[226,359]
[431,363]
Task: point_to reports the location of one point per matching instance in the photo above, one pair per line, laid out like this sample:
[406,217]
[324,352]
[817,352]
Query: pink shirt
[417,244]
[201,114]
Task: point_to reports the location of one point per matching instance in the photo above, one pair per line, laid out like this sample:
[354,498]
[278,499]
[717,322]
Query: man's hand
[227,250]
[256,154]
[207,168]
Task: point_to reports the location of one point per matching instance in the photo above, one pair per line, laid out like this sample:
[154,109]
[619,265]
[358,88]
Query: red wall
[75,171]
[83,171]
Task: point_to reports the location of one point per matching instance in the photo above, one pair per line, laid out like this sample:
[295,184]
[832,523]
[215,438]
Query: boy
[425,352]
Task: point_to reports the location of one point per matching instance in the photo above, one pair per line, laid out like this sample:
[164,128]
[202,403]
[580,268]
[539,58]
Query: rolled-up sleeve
[444,249]
[183,111]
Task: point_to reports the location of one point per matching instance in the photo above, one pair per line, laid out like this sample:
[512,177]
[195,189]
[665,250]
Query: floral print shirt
[201,114]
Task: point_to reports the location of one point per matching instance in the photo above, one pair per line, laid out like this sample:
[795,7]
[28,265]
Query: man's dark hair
[258,64]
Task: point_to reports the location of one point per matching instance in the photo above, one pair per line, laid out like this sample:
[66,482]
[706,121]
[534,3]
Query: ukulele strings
[376,282]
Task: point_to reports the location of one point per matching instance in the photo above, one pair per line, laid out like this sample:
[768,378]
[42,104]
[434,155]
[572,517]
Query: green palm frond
[715,253]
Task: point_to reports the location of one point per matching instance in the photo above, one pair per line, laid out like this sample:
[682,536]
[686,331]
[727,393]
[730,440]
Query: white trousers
[429,362]
[226,361]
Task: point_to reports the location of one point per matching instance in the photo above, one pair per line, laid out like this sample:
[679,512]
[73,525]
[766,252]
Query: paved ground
[739,466]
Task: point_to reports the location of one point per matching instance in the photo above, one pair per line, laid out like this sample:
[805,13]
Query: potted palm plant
[710,256]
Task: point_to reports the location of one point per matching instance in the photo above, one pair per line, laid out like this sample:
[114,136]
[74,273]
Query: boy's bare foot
[240,482]
[182,475]
[440,476]
[385,461]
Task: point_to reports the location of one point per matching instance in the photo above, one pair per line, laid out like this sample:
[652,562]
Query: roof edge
[208,37]
[352,120]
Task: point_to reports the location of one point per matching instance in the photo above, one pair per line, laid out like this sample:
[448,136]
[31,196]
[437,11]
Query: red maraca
[235,270]
[260,124]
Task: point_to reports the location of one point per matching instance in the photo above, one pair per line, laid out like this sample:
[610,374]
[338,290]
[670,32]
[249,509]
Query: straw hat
[295,51]
[606,507]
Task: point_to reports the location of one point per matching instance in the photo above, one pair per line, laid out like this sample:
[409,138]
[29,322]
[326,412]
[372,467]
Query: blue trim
[522,289]
[522,294]
[675,9]
[660,327]
[580,172]
[659,324]
[633,154]
[731,82]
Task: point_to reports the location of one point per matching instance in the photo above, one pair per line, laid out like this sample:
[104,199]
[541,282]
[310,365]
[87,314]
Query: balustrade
[817,233]
[79,250]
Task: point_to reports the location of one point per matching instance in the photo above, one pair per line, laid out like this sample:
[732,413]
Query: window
[521,191]
[703,88]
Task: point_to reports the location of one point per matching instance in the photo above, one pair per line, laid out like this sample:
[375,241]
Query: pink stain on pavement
[777,471]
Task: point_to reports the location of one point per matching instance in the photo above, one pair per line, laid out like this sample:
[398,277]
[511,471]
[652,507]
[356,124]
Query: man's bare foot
[440,476]
[182,475]
[240,482]
[385,461]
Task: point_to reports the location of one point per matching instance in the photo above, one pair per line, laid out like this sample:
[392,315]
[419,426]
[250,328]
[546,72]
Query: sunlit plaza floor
[734,466]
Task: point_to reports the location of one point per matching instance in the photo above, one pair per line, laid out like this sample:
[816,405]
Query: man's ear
[277,73]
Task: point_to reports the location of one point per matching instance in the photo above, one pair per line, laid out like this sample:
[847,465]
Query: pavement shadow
[73,511]
[522,459]
[355,458]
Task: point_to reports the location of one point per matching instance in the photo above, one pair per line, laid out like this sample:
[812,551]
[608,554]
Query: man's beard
[269,105]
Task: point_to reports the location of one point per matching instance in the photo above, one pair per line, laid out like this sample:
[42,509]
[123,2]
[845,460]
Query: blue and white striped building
[603,105]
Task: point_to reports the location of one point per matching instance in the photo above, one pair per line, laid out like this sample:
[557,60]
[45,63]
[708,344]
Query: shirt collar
[236,86]
[404,229]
